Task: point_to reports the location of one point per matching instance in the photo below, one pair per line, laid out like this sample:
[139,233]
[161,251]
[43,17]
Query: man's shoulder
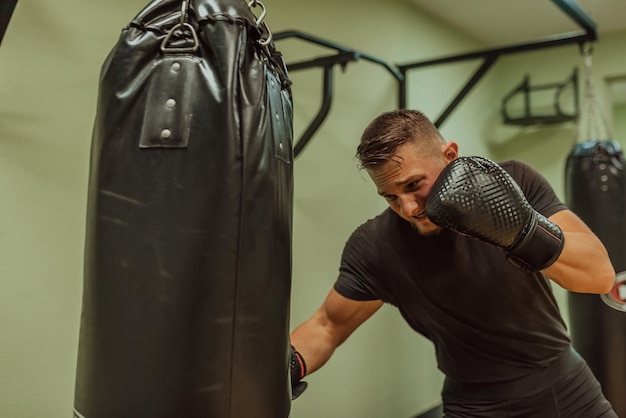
[378,224]
[513,165]
[519,170]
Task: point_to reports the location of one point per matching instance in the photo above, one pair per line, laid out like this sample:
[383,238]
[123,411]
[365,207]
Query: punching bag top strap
[182,31]
[159,14]
[236,11]
[606,152]
[180,21]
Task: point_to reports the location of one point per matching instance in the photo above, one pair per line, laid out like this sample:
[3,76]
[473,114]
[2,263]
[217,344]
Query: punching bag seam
[236,297]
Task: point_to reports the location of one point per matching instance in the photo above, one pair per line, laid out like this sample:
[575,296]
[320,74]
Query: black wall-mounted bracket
[526,91]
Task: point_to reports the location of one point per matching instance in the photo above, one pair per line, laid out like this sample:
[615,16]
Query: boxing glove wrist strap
[539,247]
[297,365]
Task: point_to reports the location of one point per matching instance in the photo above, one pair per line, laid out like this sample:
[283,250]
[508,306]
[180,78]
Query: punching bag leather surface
[595,184]
[189,221]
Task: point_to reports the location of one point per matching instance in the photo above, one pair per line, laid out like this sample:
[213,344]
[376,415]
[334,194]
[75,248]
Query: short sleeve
[536,188]
[357,272]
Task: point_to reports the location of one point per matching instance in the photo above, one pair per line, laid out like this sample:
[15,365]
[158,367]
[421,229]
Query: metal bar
[6,11]
[322,42]
[576,98]
[482,70]
[578,15]
[321,115]
[550,42]
[342,58]
[391,69]
[402,92]
[527,95]
[306,37]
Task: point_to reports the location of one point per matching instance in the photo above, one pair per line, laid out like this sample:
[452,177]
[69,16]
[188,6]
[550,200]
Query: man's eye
[414,185]
[390,198]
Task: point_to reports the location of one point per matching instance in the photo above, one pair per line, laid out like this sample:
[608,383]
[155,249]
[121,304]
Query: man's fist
[477,197]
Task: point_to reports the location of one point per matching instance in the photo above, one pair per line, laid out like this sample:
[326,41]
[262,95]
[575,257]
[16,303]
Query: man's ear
[451,151]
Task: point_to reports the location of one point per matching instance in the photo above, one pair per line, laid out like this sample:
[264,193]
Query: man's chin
[427,229]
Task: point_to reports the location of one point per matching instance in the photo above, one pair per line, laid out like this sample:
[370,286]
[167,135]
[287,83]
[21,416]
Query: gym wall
[50,61]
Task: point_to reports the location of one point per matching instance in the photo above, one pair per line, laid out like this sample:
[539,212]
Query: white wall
[49,67]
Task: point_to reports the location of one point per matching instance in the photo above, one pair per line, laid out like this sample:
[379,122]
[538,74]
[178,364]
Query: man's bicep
[584,265]
[568,221]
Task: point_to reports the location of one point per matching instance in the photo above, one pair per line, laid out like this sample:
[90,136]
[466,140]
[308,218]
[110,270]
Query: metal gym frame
[344,56]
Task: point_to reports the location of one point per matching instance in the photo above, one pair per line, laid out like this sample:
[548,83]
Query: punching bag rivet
[176,66]
[170,103]
[166,133]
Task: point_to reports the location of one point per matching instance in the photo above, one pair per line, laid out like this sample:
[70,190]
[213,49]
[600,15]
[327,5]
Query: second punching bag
[189,221]
[595,186]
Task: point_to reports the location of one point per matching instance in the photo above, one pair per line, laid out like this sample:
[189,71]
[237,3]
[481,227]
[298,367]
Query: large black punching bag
[595,184]
[189,220]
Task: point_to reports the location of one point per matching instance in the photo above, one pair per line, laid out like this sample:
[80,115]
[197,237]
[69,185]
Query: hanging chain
[592,113]
[260,22]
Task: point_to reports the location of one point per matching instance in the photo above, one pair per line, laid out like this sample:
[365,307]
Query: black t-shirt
[489,321]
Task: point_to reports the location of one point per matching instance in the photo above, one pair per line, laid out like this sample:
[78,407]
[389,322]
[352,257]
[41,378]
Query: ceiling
[504,22]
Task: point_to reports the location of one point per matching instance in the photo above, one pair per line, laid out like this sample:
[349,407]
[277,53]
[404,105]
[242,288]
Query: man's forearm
[314,344]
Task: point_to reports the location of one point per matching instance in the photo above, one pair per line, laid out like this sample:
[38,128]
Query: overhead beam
[6,11]
[578,15]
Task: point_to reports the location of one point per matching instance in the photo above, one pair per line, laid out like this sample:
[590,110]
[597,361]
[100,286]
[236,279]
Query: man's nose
[408,206]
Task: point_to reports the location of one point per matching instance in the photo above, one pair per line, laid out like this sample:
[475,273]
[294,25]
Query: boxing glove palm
[477,197]
[297,368]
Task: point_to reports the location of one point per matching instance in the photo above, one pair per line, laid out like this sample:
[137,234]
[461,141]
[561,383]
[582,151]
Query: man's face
[406,183]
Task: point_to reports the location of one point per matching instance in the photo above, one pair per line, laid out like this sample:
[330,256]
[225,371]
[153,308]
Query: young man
[466,251]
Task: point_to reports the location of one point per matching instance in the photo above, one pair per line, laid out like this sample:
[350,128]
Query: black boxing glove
[477,197]
[297,370]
